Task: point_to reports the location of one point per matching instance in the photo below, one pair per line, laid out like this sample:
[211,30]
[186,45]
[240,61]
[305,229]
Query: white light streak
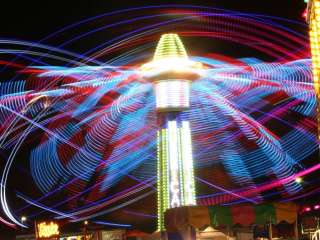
[174,164]
[187,161]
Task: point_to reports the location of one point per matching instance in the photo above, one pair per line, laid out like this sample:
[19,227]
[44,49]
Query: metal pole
[85,232]
[296,231]
[270,229]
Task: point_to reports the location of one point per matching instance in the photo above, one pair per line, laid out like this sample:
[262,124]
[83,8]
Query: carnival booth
[310,222]
[245,222]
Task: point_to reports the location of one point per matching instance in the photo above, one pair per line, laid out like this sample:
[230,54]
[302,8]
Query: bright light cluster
[163,192]
[170,64]
[172,94]
[310,208]
[46,230]
[170,56]
[175,164]
[176,185]
[170,46]
[187,171]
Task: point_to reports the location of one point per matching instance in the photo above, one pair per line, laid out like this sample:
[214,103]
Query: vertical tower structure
[172,73]
[313,18]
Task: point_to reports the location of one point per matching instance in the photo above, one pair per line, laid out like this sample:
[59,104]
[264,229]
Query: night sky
[33,20]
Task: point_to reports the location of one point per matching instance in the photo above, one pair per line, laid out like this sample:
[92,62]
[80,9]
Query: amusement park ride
[107,133]
[172,73]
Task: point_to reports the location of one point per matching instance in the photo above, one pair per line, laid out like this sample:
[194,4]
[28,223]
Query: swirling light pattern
[85,125]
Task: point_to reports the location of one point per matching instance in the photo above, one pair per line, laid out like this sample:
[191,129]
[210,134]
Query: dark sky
[33,20]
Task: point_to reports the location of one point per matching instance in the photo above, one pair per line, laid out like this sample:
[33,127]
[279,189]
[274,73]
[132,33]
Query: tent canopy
[245,215]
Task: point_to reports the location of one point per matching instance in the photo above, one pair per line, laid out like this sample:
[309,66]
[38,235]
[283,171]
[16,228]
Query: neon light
[172,73]
[170,57]
[180,190]
[175,200]
[187,168]
[113,224]
[46,230]
[172,94]
[170,46]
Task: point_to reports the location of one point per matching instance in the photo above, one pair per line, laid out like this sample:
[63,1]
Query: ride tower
[172,73]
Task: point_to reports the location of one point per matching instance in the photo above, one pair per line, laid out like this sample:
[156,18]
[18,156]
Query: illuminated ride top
[172,73]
